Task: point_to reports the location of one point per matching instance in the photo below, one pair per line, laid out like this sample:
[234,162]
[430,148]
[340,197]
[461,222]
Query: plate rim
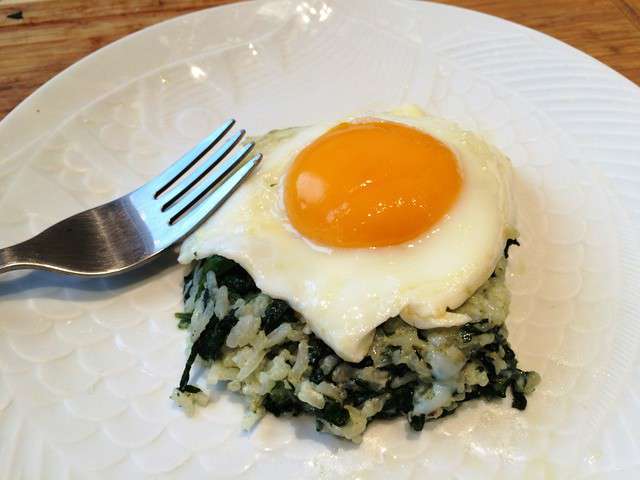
[21,109]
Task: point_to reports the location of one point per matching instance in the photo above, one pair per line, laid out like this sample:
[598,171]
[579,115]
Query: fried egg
[358,221]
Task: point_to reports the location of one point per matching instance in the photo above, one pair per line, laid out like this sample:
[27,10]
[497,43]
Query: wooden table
[39,38]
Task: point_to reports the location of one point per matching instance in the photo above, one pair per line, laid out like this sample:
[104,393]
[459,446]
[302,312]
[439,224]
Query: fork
[131,230]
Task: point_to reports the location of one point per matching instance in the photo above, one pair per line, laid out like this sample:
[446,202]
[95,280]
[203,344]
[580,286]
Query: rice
[189,399]
[264,350]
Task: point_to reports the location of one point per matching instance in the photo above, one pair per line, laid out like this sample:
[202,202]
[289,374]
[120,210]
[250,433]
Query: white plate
[86,367]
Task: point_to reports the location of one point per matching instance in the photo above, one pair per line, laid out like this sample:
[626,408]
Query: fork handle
[17,257]
[89,243]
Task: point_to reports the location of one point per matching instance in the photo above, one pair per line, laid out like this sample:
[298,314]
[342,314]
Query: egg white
[344,294]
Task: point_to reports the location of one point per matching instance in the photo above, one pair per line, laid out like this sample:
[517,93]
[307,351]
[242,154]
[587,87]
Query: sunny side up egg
[355,222]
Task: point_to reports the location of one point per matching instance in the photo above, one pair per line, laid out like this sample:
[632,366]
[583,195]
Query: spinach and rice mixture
[264,350]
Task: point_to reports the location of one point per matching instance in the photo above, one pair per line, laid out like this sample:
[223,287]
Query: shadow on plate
[43,284]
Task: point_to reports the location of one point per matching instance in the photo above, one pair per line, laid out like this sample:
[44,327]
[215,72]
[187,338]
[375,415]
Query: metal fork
[132,229]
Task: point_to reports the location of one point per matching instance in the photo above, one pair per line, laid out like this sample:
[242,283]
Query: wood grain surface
[39,38]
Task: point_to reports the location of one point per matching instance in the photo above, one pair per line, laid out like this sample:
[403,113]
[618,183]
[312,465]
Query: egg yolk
[370,184]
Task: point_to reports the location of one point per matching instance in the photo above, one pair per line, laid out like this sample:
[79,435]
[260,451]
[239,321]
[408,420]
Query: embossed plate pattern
[86,367]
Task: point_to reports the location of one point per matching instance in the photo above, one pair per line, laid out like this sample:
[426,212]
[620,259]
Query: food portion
[263,349]
[344,293]
[359,274]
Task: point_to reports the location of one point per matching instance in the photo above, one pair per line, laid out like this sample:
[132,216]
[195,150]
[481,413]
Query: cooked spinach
[417,422]
[277,313]
[212,338]
[318,351]
[282,400]
[358,392]
[238,281]
[333,413]
[519,400]
[184,320]
[191,389]
[208,344]
[399,403]
[510,241]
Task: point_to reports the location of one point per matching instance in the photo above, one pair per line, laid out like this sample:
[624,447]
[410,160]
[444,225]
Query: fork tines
[211,181]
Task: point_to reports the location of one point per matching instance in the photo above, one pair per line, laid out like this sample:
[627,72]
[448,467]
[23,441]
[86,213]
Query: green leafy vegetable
[212,339]
[277,313]
[417,422]
[333,413]
[208,344]
[191,389]
[399,403]
[510,241]
[184,320]
[281,400]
